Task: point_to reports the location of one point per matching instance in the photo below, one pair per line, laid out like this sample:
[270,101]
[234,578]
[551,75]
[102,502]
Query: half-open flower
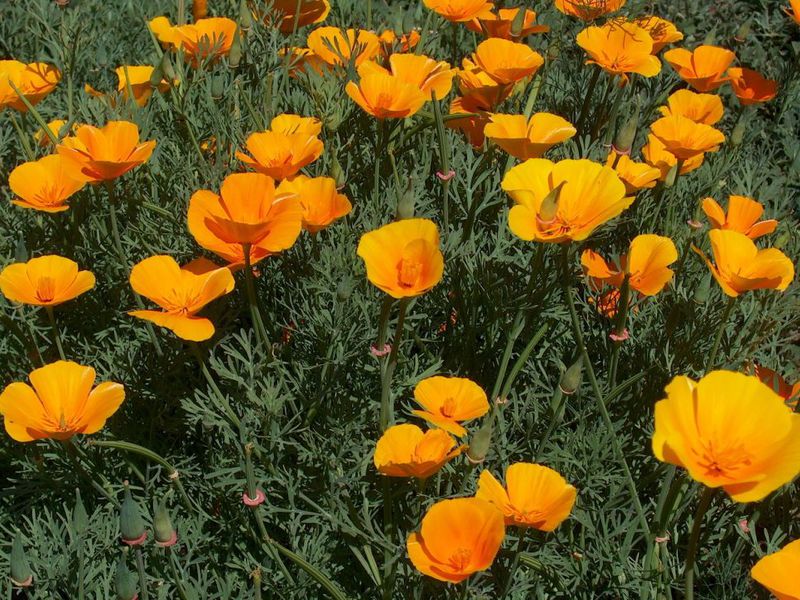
[105,153]
[205,40]
[729,431]
[45,281]
[704,68]
[559,202]
[700,108]
[405,451]
[457,538]
[60,402]
[528,138]
[447,402]
[181,292]
[320,201]
[662,31]
[307,12]
[478,89]
[620,48]
[45,184]
[534,496]
[135,80]
[460,11]
[502,24]
[428,75]
[505,61]
[778,571]
[685,139]
[656,155]
[34,81]
[337,47]
[751,87]
[290,144]
[635,175]
[742,216]
[403,258]
[740,266]
[588,10]
[247,213]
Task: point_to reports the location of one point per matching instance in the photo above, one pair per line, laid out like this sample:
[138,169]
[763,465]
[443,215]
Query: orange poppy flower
[500,25]
[479,89]
[300,59]
[790,393]
[778,571]
[34,81]
[563,201]
[656,155]
[449,401]
[319,200]
[620,49]
[45,281]
[607,303]
[474,125]
[290,144]
[405,451]
[793,10]
[588,10]
[728,430]
[646,265]
[59,403]
[528,138]
[392,43]
[704,68]
[309,12]
[105,153]
[45,184]
[206,39]
[740,266]
[505,61]
[700,108]
[456,539]
[427,75]
[685,139]
[535,496]
[55,126]
[403,258]
[635,175]
[182,292]
[460,11]
[662,32]
[246,213]
[336,47]
[140,85]
[743,215]
[751,87]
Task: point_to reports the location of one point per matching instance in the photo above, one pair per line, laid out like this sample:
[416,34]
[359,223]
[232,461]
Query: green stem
[333,591]
[35,114]
[694,539]
[444,159]
[387,405]
[56,336]
[587,100]
[388,531]
[23,138]
[142,575]
[176,576]
[712,358]
[514,563]
[255,312]
[369,14]
[380,140]
[222,400]
[76,455]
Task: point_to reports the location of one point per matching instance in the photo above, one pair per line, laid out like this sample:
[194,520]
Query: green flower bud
[671,176]
[245,16]
[157,75]
[235,54]
[737,135]
[343,290]
[572,378]
[623,142]
[166,67]
[124,581]
[21,574]
[518,23]
[164,533]
[702,290]
[407,203]
[21,250]
[480,443]
[337,172]
[131,524]
[217,87]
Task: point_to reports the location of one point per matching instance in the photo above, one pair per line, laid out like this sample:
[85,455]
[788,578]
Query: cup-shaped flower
[501,24]
[563,201]
[479,90]
[790,393]
[588,10]
[425,74]
[646,265]
[534,496]
[181,292]
[528,138]
[337,47]
[280,152]
[739,266]
[320,201]
[308,12]
[386,97]
[656,155]
[751,87]
[700,108]
[635,175]
[247,213]
[34,81]
[449,401]
[728,430]
[505,61]
[133,79]
[403,258]
[105,153]
[685,139]
[405,451]
[456,539]
[778,571]
[45,281]
[662,31]
[703,68]
[460,11]
[45,184]
[205,40]
[60,402]
[742,216]
[620,48]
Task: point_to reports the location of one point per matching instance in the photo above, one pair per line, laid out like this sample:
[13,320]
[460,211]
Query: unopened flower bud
[407,203]
[337,172]
[217,87]
[166,67]
[245,16]
[623,142]
[80,519]
[549,206]
[124,581]
[737,135]
[518,23]
[480,443]
[21,574]
[157,75]
[669,181]
[743,32]
[199,9]
[781,240]
[702,290]
[572,378]
[235,54]
[710,39]
[131,524]
[163,531]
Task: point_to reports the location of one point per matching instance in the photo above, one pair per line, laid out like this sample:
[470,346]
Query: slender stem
[35,114]
[176,576]
[444,159]
[453,43]
[255,312]
[387,405]
[221,399]
[380,140]
[23,138]
[369,14]
[712,358]
[56,336]
[694,539]
[142,575]
[388,531]
[514,562]
[76,454]
[587,100]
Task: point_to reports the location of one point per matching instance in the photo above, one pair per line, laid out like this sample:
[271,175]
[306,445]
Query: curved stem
[56,336]
[712,358]
[587,100]
[255,312]
[23,138]
[694,539]
[176,576]
[387,406]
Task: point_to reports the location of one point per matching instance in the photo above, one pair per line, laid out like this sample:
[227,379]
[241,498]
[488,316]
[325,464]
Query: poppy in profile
[635,175]
[662,31]
[743,216]
[138,79]
[704,68]
[656,155]
[45,184]
[700,108]
[778,571]
[280,152]
[505,61]
[320,201]
[34,81]
[528,138]
[45,281]
[501,24]
[337,47]
[588,10]
[460,11]
[405,451]
[751,87]
[204,40]
[620,49]
[685,139]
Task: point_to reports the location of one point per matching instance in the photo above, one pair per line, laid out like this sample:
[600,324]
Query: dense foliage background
[309,411]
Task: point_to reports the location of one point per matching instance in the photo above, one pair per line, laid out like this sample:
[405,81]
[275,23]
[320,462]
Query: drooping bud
[124,581]
[235,54]
[407,203]
[572,377]
[549,207]
[131,524]
[80,519]
[669,181]
[163,531]
[21,574]
[480,443]
[245,16]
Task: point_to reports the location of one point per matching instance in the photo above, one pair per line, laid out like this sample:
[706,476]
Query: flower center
[46,290]
[449,407]
[724,462]
[408,272]
[460,559]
